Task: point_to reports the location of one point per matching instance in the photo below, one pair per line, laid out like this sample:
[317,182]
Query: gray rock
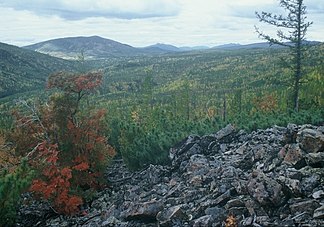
[303,206]
[315,159]
[223,147]
[237,202]
[111,221]
[241,150]
[222,199]
[228,130]
[318,194]
[310,182]
[144,211]
[166,216]
[247,221]
[265,190]
[290,134]
[292,184]
[292,154]
[215,212]
[263,220]
[311,140]
[206,220]
[214,215]
[319,213]
[254,208]
[287,223]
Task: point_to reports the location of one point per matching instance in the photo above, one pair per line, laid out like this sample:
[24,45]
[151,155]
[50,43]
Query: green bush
[11,187]
[266,120]
[140,147]
[145,137]
[147,140]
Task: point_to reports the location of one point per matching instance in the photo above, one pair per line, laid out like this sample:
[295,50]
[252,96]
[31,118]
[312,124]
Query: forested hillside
[198,81]
[24,70]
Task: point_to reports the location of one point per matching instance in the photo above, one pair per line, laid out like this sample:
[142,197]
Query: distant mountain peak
[228,45]
[93,47]
[166,47]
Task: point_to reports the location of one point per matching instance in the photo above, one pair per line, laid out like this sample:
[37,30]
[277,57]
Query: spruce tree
[294,38]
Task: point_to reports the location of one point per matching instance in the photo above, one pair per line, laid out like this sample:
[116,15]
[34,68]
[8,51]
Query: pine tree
[11,186]
[296,26]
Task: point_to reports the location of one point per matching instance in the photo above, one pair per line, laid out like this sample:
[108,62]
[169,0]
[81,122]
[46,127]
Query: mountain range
[95,47]
[27,68]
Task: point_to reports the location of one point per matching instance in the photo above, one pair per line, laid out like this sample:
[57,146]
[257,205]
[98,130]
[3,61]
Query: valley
[94,103]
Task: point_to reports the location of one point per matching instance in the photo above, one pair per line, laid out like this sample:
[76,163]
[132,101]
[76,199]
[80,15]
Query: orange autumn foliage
[266,103]
[231,221]
[81,166]
[67,149]
[75,83]
[55,182]
[8,160]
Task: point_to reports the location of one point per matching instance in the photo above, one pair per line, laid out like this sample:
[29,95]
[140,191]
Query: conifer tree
[294,38]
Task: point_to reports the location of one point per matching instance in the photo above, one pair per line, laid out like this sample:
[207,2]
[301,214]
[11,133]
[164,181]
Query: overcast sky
[144,22]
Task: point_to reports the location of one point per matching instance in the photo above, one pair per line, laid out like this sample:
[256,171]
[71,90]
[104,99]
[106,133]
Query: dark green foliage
[24,70]
[140,147]
[262,120]
[144,140]
[11,187]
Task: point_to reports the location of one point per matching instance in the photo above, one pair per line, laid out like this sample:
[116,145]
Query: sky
[145,22]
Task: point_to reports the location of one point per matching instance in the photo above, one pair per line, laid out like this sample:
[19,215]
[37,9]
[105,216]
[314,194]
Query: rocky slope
[271,177]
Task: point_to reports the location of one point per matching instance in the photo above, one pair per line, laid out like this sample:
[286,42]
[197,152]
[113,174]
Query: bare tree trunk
[295,22]
[298,61]
[224,107]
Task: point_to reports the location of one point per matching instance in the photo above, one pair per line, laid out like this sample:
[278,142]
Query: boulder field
[271,177]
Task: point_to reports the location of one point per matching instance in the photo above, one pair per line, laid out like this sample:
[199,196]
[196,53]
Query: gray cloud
[245,12]
[78,10]
[316,5]
[178,22]
[249,11]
